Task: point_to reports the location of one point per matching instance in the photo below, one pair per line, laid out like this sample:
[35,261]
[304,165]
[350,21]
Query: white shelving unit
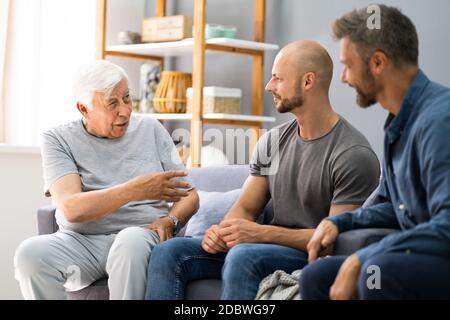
[198,47]
[185,47]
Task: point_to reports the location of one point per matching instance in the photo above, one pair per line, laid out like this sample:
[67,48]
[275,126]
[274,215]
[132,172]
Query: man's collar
[395,124]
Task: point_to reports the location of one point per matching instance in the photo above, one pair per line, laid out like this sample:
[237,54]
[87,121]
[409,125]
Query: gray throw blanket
[279,286]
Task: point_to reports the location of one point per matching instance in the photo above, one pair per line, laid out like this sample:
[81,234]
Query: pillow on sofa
[213,207]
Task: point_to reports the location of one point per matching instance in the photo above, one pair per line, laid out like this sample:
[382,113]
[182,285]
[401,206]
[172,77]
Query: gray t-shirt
[102,163]
[307,177]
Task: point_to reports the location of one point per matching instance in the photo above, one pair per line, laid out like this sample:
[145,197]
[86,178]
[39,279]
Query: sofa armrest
[46,220]
[351,241]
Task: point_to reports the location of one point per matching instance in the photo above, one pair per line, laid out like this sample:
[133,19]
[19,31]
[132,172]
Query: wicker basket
[170,96]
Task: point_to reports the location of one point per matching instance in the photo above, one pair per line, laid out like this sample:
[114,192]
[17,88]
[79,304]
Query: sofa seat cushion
[206,289]
[96,291]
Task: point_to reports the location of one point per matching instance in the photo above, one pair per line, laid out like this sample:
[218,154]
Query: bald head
[305,56]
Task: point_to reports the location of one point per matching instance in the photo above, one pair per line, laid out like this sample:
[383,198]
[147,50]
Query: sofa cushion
[222,178]
[351,241]
[96,291]
[213,207]
[205,289]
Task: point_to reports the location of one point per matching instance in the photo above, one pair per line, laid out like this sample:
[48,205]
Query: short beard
[367,99]
[287,105]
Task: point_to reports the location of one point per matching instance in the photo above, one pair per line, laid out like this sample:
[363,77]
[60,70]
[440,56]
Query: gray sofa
[210,179]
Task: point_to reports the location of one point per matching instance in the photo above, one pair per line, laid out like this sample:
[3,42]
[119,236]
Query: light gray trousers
[48,265]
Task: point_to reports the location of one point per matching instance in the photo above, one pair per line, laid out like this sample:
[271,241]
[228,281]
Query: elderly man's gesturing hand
[161,186]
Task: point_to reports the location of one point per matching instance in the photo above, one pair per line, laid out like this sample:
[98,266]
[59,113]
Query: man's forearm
[238,212]
[94,205]
[381,215]
[294,238]
[186,207]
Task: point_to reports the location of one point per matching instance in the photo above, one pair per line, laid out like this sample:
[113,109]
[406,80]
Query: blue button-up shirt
[415,187]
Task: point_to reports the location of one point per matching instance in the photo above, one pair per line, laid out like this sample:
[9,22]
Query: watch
[176,223]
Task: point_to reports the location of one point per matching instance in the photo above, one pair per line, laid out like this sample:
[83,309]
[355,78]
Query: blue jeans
[176,262]
[402,276]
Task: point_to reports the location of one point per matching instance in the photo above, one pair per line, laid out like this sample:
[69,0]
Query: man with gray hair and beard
[311,167]
[111,175]
[414,194]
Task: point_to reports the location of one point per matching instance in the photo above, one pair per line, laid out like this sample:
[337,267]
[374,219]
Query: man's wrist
[176,222]
[133,190]
[354,261]
[126,191]
[264,233]
[334,221]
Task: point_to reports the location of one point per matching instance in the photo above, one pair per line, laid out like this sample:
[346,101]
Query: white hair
[100,76]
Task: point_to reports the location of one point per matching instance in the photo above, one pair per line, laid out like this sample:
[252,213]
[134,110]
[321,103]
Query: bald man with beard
[311,167]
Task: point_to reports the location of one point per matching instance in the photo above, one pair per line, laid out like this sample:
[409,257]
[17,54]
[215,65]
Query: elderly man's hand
[160,186]
[322,240]
[236,231]
[345,284]
[212,242]
[163,227]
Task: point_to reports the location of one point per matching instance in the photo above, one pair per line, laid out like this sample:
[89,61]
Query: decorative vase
[170,96]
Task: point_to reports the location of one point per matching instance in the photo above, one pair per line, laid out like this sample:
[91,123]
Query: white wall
[125,15]
[45,49]
[20,195]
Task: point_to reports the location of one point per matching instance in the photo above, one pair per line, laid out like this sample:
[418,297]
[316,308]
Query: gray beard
[365,100]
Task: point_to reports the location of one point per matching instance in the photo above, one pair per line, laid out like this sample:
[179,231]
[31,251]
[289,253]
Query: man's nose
[269,86]
[344,76]
[125,108]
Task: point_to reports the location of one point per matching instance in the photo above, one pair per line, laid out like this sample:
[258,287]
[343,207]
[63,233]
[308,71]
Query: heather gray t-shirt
[307,177]
[102,163]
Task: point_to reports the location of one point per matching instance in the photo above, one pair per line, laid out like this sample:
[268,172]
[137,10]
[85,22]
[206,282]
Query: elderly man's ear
[82,108]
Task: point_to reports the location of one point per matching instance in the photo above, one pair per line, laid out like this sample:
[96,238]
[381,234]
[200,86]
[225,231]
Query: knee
[131,243]
[131,238]
[30,256]
[238,260]
[314,280]
[311,274]
[317,278]
[168,252]
[171,256]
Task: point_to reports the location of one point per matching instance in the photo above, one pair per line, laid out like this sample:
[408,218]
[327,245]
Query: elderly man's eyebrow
[110,100]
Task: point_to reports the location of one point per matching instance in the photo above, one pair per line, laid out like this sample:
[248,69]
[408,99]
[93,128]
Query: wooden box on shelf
[218,100]
[172,28]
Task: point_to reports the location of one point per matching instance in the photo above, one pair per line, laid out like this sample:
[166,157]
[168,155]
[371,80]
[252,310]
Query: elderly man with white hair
[111,175]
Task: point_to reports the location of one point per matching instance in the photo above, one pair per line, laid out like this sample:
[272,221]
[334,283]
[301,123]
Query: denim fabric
[177,261]
[402,276]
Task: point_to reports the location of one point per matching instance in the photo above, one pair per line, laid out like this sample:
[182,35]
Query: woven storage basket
[170,96]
